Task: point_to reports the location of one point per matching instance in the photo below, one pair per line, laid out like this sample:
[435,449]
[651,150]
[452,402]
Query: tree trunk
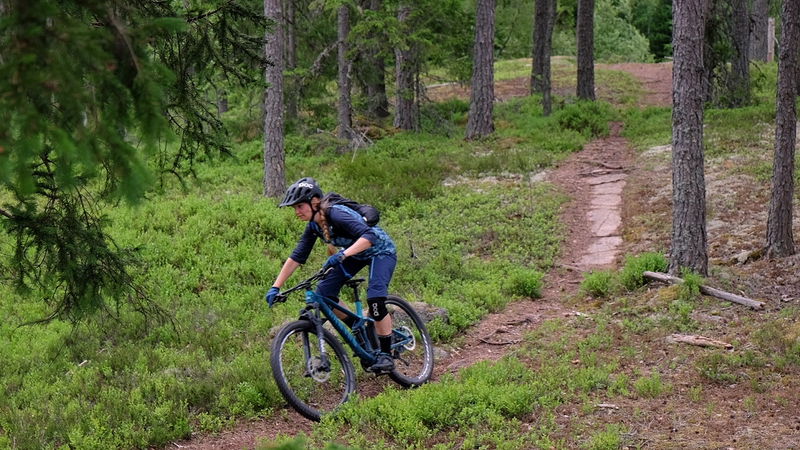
[292,96]
[779,224]
[274,183]
[222,102]
[377,102]
[585,39]
[689,240]
[344,108]
[480,122]
[406,116]
[543,23]
[758,31]
[739,81]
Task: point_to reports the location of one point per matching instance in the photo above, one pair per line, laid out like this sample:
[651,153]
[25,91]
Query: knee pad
[377,308]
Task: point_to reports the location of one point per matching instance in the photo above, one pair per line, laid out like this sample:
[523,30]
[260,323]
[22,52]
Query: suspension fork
[323,355]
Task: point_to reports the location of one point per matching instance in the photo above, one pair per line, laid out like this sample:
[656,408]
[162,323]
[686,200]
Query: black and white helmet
[301,191]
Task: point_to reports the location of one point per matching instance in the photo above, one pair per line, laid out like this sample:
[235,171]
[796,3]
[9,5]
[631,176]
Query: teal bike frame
[327,306]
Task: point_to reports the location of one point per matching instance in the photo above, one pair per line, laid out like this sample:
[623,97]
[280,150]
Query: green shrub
[650,386]
[690,288]
[586,117]
[619,385]
[780,341]
[632,274]
[609,439]
[725,368]
[444,118]
[526,283]
[681,315]
[599,283]
[649,127]
[617,40]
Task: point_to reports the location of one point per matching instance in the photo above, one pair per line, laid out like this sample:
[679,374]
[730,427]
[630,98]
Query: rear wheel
[412,348]
[312,382]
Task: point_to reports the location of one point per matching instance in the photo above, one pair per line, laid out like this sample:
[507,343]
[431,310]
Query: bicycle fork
[316,367]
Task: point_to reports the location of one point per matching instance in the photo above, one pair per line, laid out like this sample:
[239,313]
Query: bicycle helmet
[301,191]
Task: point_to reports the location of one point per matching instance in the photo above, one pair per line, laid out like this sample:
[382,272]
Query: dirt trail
[594,179]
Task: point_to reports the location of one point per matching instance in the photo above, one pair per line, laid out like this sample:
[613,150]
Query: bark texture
[480,122]
[780,241]
[344,108]
[585,40]
[543,22]
[375,78]
[407,115]
[274,183]
[739,81]
[290,31]
[758,30]
[689,237]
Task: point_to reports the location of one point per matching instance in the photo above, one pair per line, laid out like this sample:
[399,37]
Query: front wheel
[314,383]
[411,347]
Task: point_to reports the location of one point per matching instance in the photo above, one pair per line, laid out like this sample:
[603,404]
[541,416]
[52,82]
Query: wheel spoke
[313,385]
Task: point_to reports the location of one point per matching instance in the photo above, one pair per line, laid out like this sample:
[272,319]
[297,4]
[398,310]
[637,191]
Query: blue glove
[334,260]
[271,294]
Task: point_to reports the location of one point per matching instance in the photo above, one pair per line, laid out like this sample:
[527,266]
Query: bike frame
[327,306]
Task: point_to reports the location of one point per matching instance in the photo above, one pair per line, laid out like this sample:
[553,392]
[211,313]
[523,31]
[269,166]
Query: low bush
[589,118]
[632,274]
[650,386]
[599,283]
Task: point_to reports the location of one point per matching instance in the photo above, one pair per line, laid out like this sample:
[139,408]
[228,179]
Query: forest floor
[621,205]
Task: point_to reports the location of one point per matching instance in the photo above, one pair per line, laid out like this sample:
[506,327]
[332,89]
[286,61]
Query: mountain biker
[359,246]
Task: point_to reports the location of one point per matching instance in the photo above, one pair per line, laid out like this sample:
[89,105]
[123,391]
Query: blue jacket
[345,226]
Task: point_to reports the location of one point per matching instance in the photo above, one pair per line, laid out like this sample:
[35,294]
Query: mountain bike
[310,365]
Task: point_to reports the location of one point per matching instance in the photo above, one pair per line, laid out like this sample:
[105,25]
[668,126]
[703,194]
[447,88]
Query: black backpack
[369,213]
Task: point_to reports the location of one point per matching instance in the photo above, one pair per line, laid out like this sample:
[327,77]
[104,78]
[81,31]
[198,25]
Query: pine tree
[480,122]
[585,40]
[689,238]
[406,67]
[543,24]
[274,178]
[88,90]
[780,239]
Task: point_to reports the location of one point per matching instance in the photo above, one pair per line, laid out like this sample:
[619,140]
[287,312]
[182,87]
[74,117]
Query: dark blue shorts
[381,269]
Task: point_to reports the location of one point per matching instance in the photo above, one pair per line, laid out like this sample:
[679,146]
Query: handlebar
[303,285]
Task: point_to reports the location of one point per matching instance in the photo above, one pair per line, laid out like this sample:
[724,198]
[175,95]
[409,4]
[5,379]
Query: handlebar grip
[280,298]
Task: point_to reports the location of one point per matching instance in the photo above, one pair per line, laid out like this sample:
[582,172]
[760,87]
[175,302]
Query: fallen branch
[599,172]
[597,182]
[700,341]
[607,406]
[664,278]
[602,164]
[572,268]
[511,342]
[486,340]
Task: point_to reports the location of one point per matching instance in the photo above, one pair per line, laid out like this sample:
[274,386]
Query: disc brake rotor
[410,343]
[317,371]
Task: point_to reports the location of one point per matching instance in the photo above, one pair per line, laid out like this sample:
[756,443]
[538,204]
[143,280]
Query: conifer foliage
[89,90]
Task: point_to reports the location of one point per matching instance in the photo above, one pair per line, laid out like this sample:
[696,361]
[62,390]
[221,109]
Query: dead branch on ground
[664,278]
[700,341]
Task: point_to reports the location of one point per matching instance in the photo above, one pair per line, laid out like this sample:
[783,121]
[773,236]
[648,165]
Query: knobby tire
[415,366]
[310,397]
